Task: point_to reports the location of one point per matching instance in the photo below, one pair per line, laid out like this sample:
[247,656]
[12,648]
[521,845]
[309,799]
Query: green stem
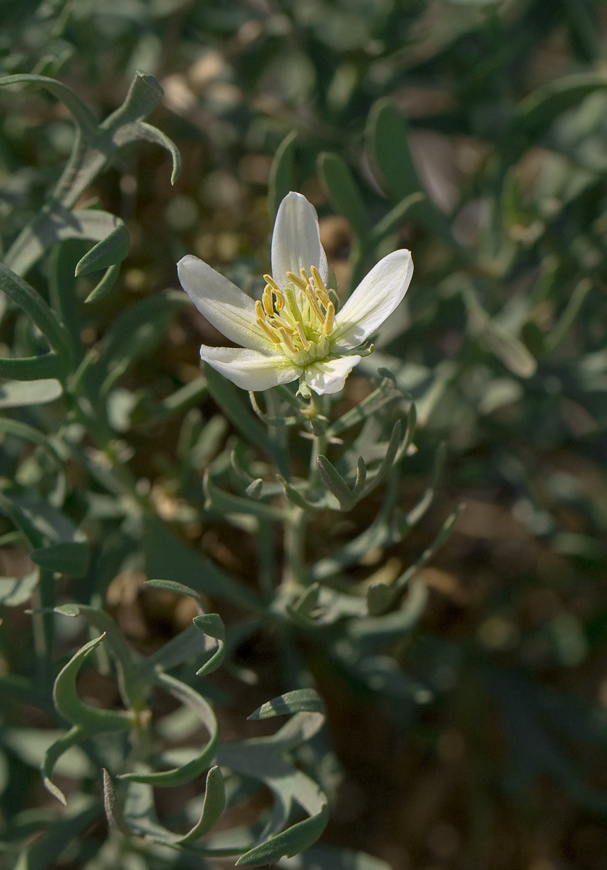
[44,630]
[294,547]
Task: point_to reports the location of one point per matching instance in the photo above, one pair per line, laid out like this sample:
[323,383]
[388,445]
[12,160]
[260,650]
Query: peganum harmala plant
[73,501]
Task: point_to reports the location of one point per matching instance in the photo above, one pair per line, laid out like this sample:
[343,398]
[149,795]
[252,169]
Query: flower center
[299,317]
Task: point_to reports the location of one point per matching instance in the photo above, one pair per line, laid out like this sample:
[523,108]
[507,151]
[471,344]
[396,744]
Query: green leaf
[379,600]
[57,224]
[108,252]
[297,701]
[396,217]
[19,394]
[331,858]
[113,812]
[49,366]
[211,624]
[263,759]
[229,399]
[147,133]
[90,720]
[504,344]
[22,520]
[343,193]
[176,589]
[212,808]
[336,484]
[387,139]
[23,295]
[191,769]
[15,591]
[128,681]
[281,173]
[43,853]
[143,96]
[537,111]
[81,112]
[223,503]
[168,557]
[386,393]
[71,558]
[22,430]
[132,335]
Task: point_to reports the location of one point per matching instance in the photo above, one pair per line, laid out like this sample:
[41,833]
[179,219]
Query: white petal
[296,239]
[223,304]
[330,377]
[249,369]
[374,300]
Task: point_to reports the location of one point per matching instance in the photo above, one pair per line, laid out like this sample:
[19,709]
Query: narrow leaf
[71,558]
[281,173]
[297,701]
[108,252]
[343,192]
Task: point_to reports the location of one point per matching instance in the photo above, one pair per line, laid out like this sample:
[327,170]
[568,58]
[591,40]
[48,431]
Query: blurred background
[497,111]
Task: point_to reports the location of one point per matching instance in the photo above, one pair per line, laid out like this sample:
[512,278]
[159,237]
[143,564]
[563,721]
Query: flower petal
[249,369]
[296,240]
[374,300]
[223,304]
[330,376]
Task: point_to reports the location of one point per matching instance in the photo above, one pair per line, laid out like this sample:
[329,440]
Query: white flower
[294,332]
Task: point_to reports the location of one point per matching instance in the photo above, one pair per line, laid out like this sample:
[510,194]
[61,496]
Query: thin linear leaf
[223,503]
[23,295]
[297,701]
[191,769]
[108,252]
[66,557]
[211,624]
[168,557]
[81,112]
[19,394]
[343,193]
[90,720]
[282,173]
[15,591]
[212,808]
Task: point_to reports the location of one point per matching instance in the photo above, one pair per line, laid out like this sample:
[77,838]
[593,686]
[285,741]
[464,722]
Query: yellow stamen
[269,280]
[312,298]
[259,312]
[329,319]
[320,288]
[267,300]
[275,339]
[298,281]
[306,344]
[279,300]
[287,340]
[278,323]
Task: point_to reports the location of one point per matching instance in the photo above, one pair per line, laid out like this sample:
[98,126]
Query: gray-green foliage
[499,351]
[70,396]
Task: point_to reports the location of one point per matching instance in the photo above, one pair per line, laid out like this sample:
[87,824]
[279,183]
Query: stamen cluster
[298,318]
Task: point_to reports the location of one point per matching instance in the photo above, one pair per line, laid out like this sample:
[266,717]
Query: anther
[287,340]
[329,319]
[312,298]
[275,339]
[267,300]
[302,336]
[278,323]
[298,281]
[269,280]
